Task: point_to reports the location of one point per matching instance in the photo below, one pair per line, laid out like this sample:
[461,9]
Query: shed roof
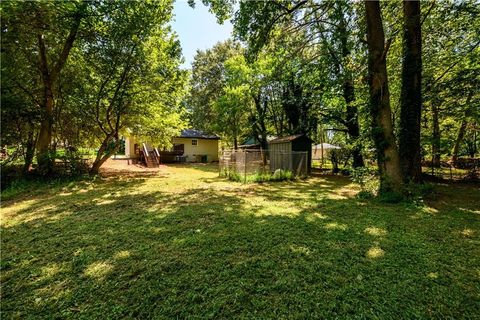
[197,134]
[289,138]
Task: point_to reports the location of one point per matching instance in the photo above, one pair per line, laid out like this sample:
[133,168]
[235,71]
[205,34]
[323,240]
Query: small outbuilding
[293,153]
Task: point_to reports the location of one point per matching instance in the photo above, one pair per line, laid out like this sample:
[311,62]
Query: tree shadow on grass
[109,251]
[204,167]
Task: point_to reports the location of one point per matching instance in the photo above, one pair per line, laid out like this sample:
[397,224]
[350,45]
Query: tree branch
[66,47]
[428,13]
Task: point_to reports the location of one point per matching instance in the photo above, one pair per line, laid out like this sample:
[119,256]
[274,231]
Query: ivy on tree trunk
[411,93]
[382,129]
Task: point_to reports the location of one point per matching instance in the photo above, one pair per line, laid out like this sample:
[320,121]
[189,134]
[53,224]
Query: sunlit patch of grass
[122,254]
[105,201]
[51,293]
[470,210]
[374,231]
[467,232]
[316,216]
[50,271]
[335,226]
[430,210]
[375,252]
[281,210]
[300,249]
[98,270]
[185,243]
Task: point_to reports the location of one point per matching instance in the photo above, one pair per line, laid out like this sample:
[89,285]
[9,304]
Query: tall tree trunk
[30,149]
[353,128]
[435,136]
[44,158]
[382,129]
[235,142]
[458,140]
[261,127]
[45,136]
[411,93]
[102,154]
[49,75]
[461,131]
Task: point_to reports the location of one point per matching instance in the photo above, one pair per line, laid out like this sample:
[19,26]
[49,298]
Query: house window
[194,142]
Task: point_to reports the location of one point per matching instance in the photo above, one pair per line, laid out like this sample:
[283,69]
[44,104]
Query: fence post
[305,158]
[245,167]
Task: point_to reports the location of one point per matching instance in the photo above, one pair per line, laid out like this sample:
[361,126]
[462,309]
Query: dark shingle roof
[197,134]
[287,138]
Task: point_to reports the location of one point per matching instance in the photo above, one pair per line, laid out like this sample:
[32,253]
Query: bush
[278,175]
[9,173]
[391,197]
[74,165]
[367,181]
[230,174]
[365,195]
[337,156]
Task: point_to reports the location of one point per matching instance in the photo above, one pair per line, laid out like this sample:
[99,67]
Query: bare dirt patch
[123,166]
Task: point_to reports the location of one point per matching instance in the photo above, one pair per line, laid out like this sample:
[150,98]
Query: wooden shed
[293,153]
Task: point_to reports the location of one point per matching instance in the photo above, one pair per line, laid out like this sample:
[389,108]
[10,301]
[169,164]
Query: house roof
[254,141]
[197,134]
[289,138]
[250,146]
[326,146]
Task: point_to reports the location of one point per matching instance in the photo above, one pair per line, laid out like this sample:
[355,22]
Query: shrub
[280,175]
[391,197]
[258,177]
[74,165]
[230,174]
[365,195]
[9,173]
[367,180]
[338,156]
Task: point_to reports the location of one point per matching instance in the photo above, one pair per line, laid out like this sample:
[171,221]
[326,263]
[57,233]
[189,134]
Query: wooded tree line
[82,73]
[401,78]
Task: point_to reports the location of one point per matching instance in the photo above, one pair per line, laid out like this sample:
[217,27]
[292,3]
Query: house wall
[130,147]
[207,147]
[317,153]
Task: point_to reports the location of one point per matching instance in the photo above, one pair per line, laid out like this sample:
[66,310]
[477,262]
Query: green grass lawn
[184,243]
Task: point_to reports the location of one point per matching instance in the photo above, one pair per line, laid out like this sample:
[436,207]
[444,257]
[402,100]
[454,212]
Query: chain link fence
[467,169]
[260,165]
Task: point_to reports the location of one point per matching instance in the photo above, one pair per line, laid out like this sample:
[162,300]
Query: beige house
[190,146]
[322,150]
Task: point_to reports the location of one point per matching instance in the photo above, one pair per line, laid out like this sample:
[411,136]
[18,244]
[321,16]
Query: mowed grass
[183,243]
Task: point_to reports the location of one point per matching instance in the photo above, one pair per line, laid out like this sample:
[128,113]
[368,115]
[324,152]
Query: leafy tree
[36,30]
[451,54]
[114,68]
[207,83]
[132,77]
